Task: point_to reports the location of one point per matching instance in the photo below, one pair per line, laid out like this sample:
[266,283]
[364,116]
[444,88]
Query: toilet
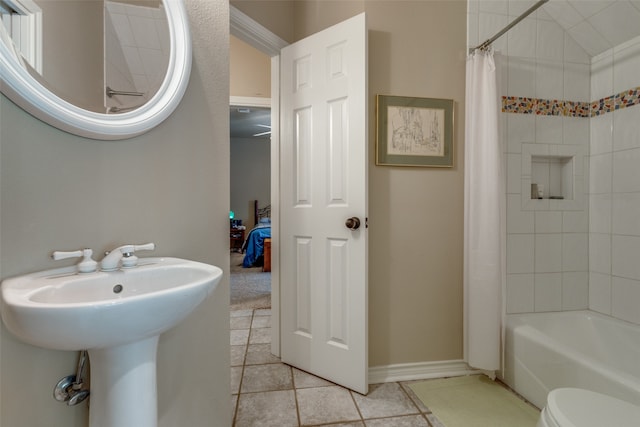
[574,407]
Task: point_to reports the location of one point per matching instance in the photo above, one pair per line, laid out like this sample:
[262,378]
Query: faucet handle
[129,260]
[87,265]
[145,247]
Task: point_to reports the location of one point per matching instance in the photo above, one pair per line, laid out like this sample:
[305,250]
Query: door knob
[352,223]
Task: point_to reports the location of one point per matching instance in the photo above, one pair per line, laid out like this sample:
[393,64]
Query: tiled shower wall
[614,189]
[136,51]
[547,243]
[573,255]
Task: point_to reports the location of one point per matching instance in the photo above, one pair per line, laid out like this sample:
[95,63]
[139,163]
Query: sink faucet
[124,253]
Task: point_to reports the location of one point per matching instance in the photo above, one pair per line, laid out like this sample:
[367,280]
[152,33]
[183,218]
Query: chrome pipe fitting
[70,388]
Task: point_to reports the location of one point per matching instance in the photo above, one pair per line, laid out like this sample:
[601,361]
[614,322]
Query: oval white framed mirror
[19,85]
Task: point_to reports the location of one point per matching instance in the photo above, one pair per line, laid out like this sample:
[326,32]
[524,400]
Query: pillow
[264,221]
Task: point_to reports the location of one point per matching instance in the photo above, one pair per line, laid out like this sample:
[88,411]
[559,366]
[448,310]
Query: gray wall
[416,48]
[250,176]
[169,186]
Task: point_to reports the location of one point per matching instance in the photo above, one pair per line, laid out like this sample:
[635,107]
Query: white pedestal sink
[118,317]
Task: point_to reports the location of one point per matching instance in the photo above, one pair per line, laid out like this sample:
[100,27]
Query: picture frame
[414,131]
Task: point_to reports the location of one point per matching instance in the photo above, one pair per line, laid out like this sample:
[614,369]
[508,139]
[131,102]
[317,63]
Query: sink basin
[118,317]
[62,310]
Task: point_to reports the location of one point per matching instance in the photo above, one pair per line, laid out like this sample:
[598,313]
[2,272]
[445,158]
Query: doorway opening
[251,32]
[250,214]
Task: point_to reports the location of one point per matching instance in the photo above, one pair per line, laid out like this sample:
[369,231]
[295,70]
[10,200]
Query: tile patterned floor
[268,393]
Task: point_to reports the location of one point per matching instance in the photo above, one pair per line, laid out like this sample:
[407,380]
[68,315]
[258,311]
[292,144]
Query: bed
[253,247]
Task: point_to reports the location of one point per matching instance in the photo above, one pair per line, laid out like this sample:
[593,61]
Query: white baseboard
[419,371]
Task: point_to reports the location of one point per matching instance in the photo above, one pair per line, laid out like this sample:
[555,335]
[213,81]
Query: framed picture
[414,131]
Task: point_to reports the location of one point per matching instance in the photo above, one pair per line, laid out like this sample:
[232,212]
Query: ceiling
[249,122]
[597,25]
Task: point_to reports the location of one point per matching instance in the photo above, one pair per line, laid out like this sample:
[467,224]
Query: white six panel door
[323,179]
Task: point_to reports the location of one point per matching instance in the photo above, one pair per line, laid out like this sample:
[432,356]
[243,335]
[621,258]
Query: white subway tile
[602,76]
[549,129]
[577,82]
[576,131]
[514,173]
[521,128]
[548,292]
[626,173]
[549,79]
[625,256]
[575,221]
[144,32]
[122,28]
[522,39]
[600,213]
[600,253]
[626,125]
[575,290]
[600,293]
[548,253]
[520,293]
[518,221]
[550,41]
[548,222]
[625,299]
[134,10]
[114,7]
[522,77]
[494,6]
[626,214]
[601,134]
[575,252]
[472,29]
[520,252]
[600,173]
[473,6]
[626,63]
[155,62]
[133,60]
[490,24]
[518,7]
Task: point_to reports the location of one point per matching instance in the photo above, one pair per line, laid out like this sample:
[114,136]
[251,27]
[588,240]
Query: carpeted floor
[250,287]
[474,401]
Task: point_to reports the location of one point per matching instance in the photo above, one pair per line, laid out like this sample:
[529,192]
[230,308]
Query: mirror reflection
[103,56]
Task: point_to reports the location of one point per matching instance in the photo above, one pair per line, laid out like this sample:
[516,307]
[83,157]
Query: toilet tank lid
[575,407]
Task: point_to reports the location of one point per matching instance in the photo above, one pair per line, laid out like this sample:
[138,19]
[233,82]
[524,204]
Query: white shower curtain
[483,216]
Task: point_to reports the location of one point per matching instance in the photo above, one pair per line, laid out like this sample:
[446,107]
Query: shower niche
[552,177]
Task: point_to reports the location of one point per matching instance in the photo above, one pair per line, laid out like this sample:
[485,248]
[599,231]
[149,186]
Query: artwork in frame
[414,131]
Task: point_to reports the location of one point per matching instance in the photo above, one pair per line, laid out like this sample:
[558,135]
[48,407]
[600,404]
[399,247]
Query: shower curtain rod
[528,12]
[110,92]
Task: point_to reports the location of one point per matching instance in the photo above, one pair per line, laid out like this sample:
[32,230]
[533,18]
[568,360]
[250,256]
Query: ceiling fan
[250,122]
[263,133]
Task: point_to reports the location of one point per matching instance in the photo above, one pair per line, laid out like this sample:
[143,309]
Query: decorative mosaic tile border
[548,107]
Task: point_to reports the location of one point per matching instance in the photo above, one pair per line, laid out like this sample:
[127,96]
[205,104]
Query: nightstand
[236,239]
[267,255]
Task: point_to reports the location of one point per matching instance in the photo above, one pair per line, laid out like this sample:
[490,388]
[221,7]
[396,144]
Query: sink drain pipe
[69,389]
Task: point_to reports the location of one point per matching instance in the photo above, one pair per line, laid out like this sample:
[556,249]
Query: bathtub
[584,349]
